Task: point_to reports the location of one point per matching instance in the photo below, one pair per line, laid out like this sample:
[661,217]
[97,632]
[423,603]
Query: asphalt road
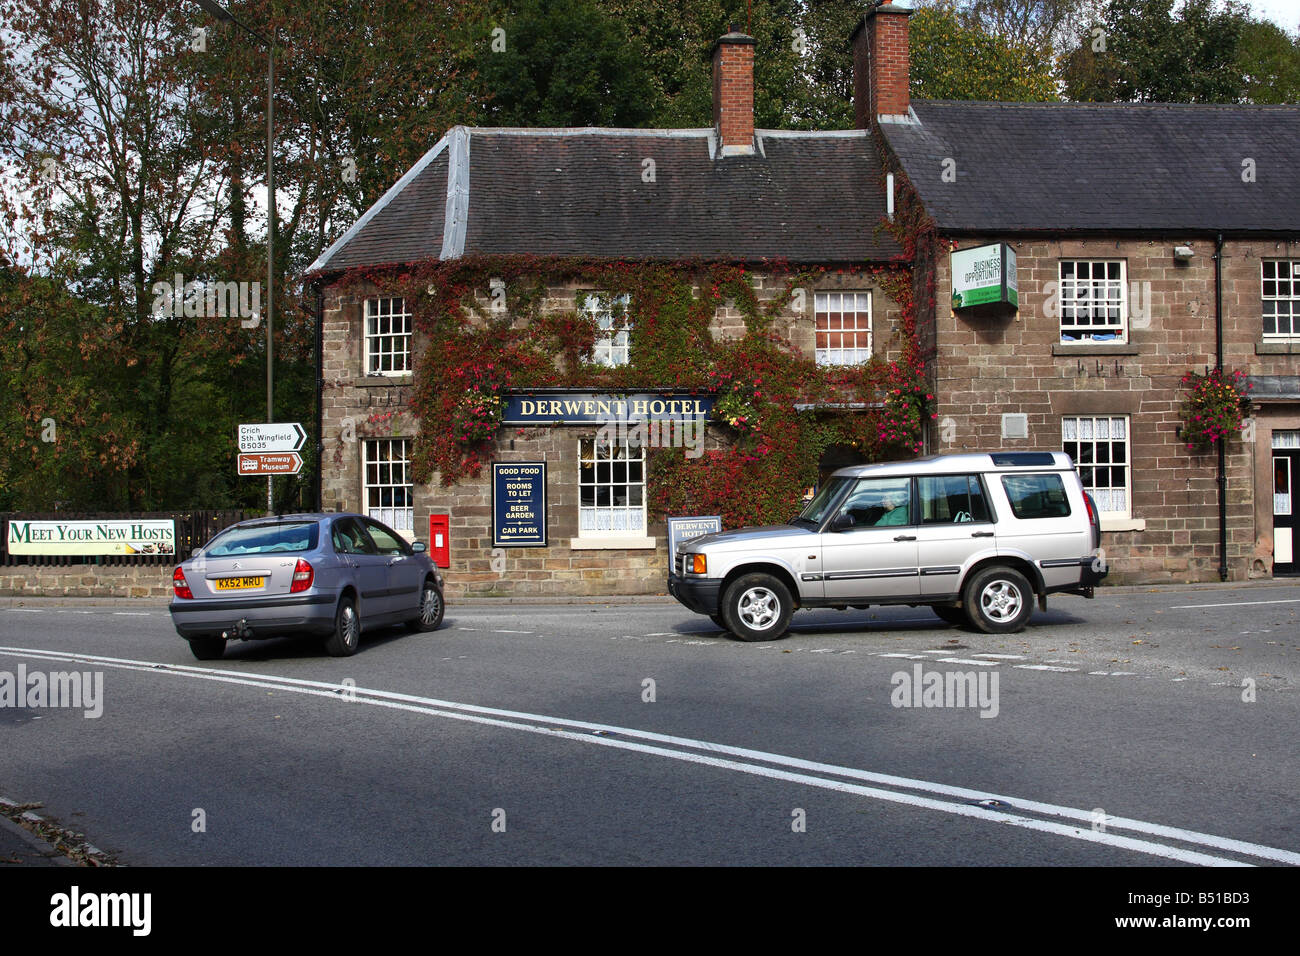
[1143,728]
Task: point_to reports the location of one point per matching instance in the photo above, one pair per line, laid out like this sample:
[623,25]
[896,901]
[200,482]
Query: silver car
[330,575]
[978,537]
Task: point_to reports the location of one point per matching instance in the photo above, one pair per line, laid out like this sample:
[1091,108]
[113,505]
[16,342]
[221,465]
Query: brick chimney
[880,65]
[733,93]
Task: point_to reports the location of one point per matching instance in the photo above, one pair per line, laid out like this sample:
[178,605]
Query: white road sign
[281,436]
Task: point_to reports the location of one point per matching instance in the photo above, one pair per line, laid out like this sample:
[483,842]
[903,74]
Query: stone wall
[86,580]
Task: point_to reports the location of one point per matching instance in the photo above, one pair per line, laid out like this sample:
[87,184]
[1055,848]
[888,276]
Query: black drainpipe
[320,384]
[1222,477]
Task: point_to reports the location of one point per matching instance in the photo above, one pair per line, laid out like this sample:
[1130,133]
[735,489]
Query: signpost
[282,436]
[270,449]
[270,463]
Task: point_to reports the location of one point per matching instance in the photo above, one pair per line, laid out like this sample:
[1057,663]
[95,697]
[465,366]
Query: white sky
[1285,13]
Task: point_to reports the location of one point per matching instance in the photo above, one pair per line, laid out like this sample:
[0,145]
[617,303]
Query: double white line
[960,801]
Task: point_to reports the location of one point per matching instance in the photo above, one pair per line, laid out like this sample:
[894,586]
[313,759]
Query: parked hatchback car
[977,537]
[330,575]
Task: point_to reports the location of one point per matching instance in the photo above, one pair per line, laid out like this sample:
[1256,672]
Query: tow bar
[241,630]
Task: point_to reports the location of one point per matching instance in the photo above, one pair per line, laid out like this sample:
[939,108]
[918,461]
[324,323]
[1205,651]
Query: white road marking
[910,657]
[584,734]
[936,652]
[1180,607]
[503,631]
[131,614]
[1004,657]
[965,660]
[29,610]
[1045,667]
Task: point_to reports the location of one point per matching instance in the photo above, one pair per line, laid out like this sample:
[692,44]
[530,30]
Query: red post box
[440,540]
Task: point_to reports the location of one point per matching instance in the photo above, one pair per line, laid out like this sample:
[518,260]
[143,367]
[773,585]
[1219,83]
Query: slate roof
[805,197]
[1059,167]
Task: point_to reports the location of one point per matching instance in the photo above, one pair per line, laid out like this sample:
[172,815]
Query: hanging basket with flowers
[1213,408]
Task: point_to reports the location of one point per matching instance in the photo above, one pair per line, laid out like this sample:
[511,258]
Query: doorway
[1286,471]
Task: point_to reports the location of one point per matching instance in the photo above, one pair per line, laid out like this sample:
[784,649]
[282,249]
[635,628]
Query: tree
[1269,61]
[956,60]
[1142,50]
[1036,25]
[563,63]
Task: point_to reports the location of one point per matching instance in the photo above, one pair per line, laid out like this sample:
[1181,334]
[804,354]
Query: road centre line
[546,725]
[1181,607]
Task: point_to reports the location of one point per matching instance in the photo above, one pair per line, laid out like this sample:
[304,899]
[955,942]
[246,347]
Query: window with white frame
[388,337]
[1092,299]
[612,346]
[611,487]
[389,496]
[1280,292]
[1099,446]
[843,327]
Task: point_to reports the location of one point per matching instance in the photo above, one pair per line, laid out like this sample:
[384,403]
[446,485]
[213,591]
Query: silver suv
[977,537]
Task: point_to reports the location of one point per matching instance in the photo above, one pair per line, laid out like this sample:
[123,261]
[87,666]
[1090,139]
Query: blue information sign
[519,504]
[683,529]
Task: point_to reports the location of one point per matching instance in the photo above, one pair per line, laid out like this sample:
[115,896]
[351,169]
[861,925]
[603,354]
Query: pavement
[20,847]
[24,600]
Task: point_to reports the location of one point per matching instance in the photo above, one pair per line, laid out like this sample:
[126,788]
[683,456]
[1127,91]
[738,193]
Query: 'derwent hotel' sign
[132,536]
[576,408]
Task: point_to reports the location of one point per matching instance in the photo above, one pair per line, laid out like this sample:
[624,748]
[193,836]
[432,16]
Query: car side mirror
[418,547]
[842,522]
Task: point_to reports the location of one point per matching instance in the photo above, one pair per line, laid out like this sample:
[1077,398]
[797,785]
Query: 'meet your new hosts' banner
[131,536]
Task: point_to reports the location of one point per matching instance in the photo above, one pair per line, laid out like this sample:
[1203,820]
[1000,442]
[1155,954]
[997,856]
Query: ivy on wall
[487,328]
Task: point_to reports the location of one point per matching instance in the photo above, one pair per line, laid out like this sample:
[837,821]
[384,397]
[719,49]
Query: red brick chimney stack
[733,92]
[880,64]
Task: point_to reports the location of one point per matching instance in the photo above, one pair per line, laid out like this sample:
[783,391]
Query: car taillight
[1092,515]
[302,575]
[180,585]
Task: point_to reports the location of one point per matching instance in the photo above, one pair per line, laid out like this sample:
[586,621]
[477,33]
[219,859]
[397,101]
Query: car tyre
[718,620]
[432,608]
[999,600]
[951,615]
[207,648]
[346,638]
[757,607]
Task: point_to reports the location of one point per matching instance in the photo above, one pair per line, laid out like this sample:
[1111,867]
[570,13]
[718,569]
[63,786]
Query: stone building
[729,193]
[1144,242]
[1149,241]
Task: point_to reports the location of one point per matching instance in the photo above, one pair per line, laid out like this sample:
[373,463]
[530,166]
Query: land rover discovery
[977,537]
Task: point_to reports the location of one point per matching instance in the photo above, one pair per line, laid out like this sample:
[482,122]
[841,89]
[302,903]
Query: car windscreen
[264,539]
[815,511]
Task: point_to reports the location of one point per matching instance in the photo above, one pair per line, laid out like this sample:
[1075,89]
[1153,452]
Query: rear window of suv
[1036,496]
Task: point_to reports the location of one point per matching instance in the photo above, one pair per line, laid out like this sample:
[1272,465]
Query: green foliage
[952,59]
[1269,61]
[563,63]
[474,356]
[1145,51]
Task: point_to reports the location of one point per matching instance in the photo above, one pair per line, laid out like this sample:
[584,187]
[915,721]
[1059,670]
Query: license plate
[237,584]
